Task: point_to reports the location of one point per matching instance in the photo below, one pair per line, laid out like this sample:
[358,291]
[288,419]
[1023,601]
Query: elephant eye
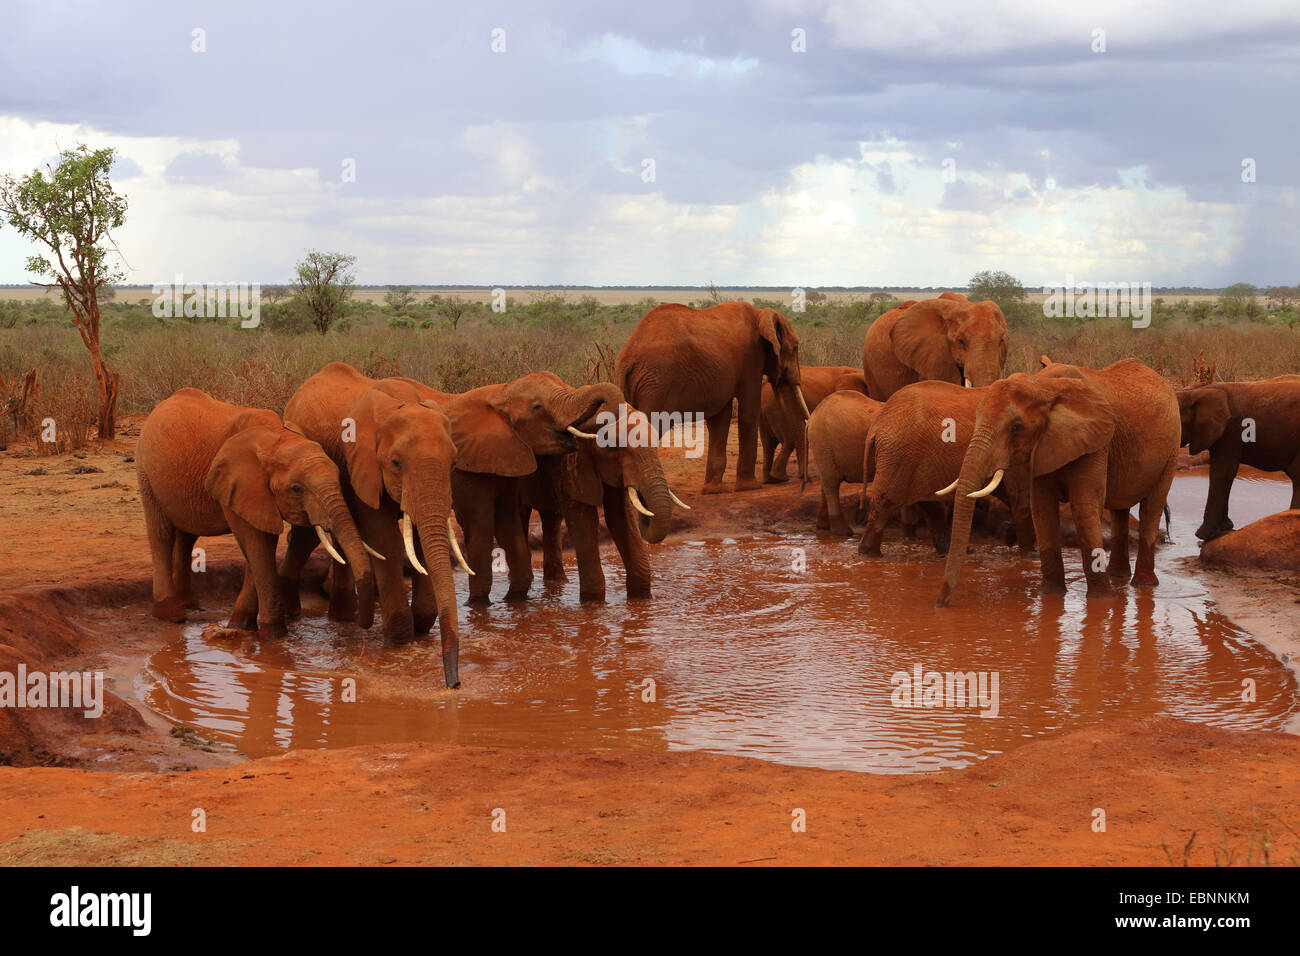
[537,406]
[296,489]
[1017,425]
[396,463]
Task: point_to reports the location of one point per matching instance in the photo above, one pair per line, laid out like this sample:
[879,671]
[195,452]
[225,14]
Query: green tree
[69,210]
[1002,287]
[325,284]
[399,298]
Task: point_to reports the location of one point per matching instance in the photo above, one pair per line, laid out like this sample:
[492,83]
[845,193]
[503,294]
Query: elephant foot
[712,488]
[945,592]
[840,527]
[242,621]
[422,624]
[870,550]
[823,523]
[272,631]
[1119,575]
[554,572]
[1009,535]
[595,597]
[480,599]
[747,484]
[1145,579]
[400,631]
[776,479]
[638,592]
[170,609]
[517,594]
[1209,532]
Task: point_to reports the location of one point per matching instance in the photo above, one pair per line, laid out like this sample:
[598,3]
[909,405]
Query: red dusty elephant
[697,361]
[949,339]
[209,468]
[780,432]
[617,469]
[393,446]
[1242,423]
[1099,439]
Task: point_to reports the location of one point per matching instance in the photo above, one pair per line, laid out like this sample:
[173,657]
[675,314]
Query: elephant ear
[362,454]
[772,327]
[920,340]
[1080,421]
[237,479]
[484,440]
[1210,415]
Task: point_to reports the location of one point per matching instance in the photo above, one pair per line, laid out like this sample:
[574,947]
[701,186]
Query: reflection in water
[750,657]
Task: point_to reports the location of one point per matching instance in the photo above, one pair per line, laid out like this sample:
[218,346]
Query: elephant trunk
[974,472]
[581,404]
[345,532]
[652,488]
[983,365]
[428,502]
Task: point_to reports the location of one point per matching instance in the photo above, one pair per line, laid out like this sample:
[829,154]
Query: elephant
[1105,438]
[208,468]
[393,446]
[622,477]
[916,444]
[696,361]
[1215,417]
[501,432]
[949,339]
[777,430]
[837,433]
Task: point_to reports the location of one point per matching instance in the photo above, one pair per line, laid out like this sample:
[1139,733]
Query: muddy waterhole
[748,656]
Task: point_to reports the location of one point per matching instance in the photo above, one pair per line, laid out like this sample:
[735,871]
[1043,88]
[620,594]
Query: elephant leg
[244,615]
[182,556]
[1086,506]
[584,529]
[1149,512]
[1294,474]
[719,427]
[552,547]
[259,551]
[909,517]
[769,441]
[879,512]
[835,520]
[167,605]
[781,461]
[424,603]
[1045,506]
[519,558]
[823,510]
[935,516]
[1119,569]
[631,546]
[476,521]
[302,542]
[1223,471]
[749,408]
[381,531]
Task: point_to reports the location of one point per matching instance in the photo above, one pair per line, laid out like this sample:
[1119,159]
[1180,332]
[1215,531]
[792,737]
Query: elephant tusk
[455,548]
[409,541]
[987,489]
[636,502]
[802,404]
[968,383]
[579,434]
[949,490]
[678,501]
[320,533]
[372,552]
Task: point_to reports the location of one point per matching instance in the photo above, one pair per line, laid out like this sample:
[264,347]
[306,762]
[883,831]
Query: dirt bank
[74,537]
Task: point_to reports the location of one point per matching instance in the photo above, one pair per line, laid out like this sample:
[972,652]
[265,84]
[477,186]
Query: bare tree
[69,209]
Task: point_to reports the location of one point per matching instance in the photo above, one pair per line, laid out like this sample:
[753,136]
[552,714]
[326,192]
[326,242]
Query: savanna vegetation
[454,343]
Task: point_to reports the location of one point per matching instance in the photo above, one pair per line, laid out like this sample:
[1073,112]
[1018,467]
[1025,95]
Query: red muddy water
[750,657]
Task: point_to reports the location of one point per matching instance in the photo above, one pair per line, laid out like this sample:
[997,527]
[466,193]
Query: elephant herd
[374,470]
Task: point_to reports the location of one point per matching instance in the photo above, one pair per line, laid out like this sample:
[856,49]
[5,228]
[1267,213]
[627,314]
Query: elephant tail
[868,468]
[1169,534]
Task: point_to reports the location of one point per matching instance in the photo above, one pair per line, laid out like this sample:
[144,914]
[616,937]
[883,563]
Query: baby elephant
[837,434]
[914,455]
[209,468]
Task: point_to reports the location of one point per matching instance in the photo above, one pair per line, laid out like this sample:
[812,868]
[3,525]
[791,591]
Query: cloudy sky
[909,143]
